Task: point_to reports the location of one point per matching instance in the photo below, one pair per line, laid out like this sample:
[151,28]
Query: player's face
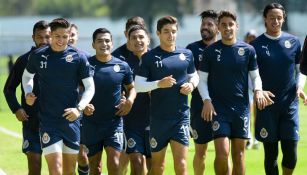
[59,39]
[274,21]
[228,28]
[168,35]
[103,44]
[73,36]
[139,41]
[41,37]
[208,29]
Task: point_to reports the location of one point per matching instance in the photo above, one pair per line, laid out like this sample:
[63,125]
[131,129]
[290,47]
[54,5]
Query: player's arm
[188,87]
[12,82]
[125,104]
[27,84]
[142,85]
[300,79]
[208,110]
[262,98]
[72,114]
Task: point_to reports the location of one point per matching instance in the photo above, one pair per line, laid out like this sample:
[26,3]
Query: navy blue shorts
[201,130]
[138,142]
[97,136]
[31,141]
[69,132]
[276,123]
[162,131]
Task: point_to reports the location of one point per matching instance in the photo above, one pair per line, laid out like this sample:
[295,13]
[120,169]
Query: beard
[209,35]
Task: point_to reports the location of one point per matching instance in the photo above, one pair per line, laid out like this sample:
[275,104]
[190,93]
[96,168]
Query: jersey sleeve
[191,68]
[128,79]
[205,63]
[85,69]
[31,68]
[298,52]
[144,66]
[252,60]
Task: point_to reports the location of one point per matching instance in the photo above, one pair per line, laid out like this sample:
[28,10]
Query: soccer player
[104,128]
[168,72]
[59,67]
[303,64]
[136,123]
[28,115]
[123,53]
[278,56]
[223,85]
[201,129]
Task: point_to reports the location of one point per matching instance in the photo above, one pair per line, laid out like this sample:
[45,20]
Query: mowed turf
[14,162]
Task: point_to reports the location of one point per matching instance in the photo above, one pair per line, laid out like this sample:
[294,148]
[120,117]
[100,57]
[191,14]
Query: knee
[200,155]
[137,164]
[181,165]
[289,161]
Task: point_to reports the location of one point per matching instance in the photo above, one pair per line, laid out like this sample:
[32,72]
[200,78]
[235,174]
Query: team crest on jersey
[215,125]
[25,144]
[69,58]
[264,133]
[116,68]
[45,138]
[241,51]
[194,134]
[131,143]
[200,57]
[153,143]
[287,44]
[182,57]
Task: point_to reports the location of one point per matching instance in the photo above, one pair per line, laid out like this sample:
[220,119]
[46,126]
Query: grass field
[13,162]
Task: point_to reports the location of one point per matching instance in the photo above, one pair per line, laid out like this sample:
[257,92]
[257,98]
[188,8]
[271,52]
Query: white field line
[2,172]
[11,133]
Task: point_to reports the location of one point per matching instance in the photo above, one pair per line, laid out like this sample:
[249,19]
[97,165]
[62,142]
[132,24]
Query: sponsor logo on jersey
[264,133]
[69,58]
[287,44]
[215,125]
[266,49]
[25,144]
[241,51]
[131,143]
[45,138]
[45,56]
[153,143]
[116,68]
[182,57]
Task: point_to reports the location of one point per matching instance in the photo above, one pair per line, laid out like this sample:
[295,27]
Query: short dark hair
[100,30]
[225,13]
[40,25]
[135,20]
[166,20]
[59,23]
[273,6]
[136,27]
[209,14]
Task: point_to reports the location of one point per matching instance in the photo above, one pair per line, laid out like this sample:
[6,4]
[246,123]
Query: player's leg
[199,158]
[53,156]
[123,163]
[289,150]
[158,162]
[270,157]
[138,164]
[34,163]
[180,154]
[83,163]
[221,155]
[238,155]
[95,163]
[113,156]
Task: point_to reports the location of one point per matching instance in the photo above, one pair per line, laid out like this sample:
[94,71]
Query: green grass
[13,162]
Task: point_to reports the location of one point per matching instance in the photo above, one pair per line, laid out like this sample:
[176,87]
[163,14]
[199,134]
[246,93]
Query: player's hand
[71,114]
[30,98]
[301,94]
[124,107]
[186,88]
[21,115]
[167,82]
[208,111]
[89,110]
[263,99]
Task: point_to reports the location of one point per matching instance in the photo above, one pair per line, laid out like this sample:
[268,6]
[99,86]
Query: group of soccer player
[134,102]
